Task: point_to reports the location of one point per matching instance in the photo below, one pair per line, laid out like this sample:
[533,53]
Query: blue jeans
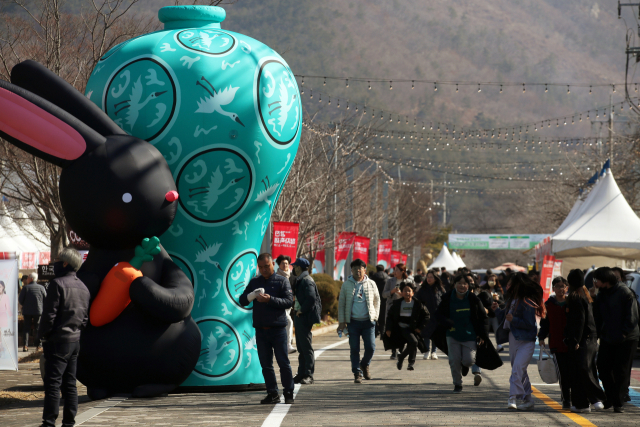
[430,344]
[268,342]
[366,330]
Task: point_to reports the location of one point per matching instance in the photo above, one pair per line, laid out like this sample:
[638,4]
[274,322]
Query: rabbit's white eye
[126,197]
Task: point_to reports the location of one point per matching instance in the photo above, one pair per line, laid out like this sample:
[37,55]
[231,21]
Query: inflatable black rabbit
[115,190]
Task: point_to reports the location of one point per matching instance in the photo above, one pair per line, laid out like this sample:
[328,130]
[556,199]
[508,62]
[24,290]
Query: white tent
[458,259]
[42,242]
[25,244]
[603,230]
[444,259]
[7,244]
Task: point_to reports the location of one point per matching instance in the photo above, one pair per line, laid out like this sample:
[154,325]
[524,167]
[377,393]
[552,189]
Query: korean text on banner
[361,248]
[8,315]
[29,260]
[546,275]
[396,258]
[285,239]
[384,252]
[403,259]
[342,249]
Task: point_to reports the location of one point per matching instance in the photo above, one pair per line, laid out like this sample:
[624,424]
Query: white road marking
[98,409]
[280,410]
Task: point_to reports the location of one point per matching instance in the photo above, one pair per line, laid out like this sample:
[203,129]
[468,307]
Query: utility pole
[398,209]
[444,204]
[431,203]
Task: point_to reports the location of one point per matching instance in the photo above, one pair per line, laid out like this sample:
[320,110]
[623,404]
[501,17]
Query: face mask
[491,283]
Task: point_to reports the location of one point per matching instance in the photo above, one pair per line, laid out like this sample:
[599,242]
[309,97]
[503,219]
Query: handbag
[487,357]
[547,367]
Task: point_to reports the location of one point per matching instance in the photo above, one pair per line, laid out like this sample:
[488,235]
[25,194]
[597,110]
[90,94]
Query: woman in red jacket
[553,327]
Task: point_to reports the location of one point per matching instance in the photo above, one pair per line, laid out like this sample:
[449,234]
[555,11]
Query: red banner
[342,249]
[29,260]
[546,275]
[44,258]
[396,258]
[285,239]
[317,244]
[361,248]
[384,252]
[404,259]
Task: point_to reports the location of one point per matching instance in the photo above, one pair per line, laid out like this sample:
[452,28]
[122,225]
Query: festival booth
[458,259]
[601,230]
[21,238]
[445,259]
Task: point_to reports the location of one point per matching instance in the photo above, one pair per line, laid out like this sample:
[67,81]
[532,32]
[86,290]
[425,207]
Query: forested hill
[579,41]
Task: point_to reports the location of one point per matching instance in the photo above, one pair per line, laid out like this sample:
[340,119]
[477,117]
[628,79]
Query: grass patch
[31,358]
[9,397]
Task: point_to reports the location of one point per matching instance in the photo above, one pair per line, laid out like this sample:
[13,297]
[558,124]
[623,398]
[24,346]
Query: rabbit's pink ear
[39,127]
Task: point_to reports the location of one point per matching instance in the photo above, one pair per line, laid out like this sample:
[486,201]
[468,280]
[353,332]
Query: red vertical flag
[344,242]
[546,275]
[396,258]
[384,252]
[404,259]
[361,248]
[285,239]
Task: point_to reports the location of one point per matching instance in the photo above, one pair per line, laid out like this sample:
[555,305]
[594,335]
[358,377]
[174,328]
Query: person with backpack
[580,336]
[616,316]
[307,307]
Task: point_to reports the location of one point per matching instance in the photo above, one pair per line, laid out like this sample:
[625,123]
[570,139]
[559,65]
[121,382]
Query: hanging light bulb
[325,82]
[546,88]
[347,105]
[479,89]
[320,98]
[347,82]
[373,113]
[369,85]
[356,108]
[435,86]
[614,88]
[621,105]
[311,97]
[390,119]
[338,105]
[500,88]
[456,87]
[557,123]
[302,92]
[589,90]
[431,126]
[329,100]
[364,110]
[588,116]
[390,85]
[568,90]
[412,86]
[523,88]
[580,116]
[415,123]
[565,121]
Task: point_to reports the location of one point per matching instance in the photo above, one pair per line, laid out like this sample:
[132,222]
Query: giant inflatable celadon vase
[224,110]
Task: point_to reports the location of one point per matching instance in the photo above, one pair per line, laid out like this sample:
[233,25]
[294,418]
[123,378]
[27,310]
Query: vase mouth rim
[195,14]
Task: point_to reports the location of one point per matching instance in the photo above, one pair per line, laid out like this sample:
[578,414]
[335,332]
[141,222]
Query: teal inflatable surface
[225,112]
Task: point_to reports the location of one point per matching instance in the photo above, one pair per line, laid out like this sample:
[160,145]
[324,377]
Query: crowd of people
[592,331]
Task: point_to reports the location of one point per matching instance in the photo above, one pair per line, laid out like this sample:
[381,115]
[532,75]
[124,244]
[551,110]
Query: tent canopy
[445,259]
[604,225]
[458,259]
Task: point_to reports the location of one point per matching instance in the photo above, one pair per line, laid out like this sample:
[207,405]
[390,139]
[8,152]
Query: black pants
[31,322]
[585,387]
[272,342]
[412,345]
[61,359]
[382,317]
[306,358]
[613,366]
[563,367]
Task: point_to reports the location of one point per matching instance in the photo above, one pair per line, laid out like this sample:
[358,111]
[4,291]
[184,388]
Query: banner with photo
[361,248]
[9,315]
[285,240]
[384,252]
[344,243]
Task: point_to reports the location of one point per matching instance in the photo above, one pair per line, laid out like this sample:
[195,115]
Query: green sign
[495,241]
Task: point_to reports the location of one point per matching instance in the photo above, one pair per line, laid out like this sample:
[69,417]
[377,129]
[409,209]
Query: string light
[369,85]
[500,88]
[390,85]
[435,86]
[523,88]
[568,90]
[589,90]
[456,87]
[546,89]
[412,86]
[311,97]
[325,82]
[479,90]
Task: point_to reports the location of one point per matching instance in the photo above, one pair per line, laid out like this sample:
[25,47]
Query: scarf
[282,273]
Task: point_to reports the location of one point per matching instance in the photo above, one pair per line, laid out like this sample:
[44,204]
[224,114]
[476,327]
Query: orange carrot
[113,296]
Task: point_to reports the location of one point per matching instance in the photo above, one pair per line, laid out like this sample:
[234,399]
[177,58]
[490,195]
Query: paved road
[392,397]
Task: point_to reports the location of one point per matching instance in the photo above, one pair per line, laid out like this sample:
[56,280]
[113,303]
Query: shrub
[329,290]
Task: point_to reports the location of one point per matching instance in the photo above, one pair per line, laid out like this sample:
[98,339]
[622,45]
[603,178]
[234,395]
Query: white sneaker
[598,406]
[526,406]
[425,356]
[582,410]
[511,403]
[434,356]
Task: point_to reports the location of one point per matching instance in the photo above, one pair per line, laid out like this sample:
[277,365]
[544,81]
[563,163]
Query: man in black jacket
[380,278]
[307,312]
[64,315]
[616,316]
[31,298]
[273,296]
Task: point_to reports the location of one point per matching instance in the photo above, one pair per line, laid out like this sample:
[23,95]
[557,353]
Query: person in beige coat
[358,311]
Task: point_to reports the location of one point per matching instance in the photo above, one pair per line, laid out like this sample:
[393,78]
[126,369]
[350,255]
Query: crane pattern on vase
[225,112]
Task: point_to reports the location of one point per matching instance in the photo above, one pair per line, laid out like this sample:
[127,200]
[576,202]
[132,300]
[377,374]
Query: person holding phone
[463,315]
